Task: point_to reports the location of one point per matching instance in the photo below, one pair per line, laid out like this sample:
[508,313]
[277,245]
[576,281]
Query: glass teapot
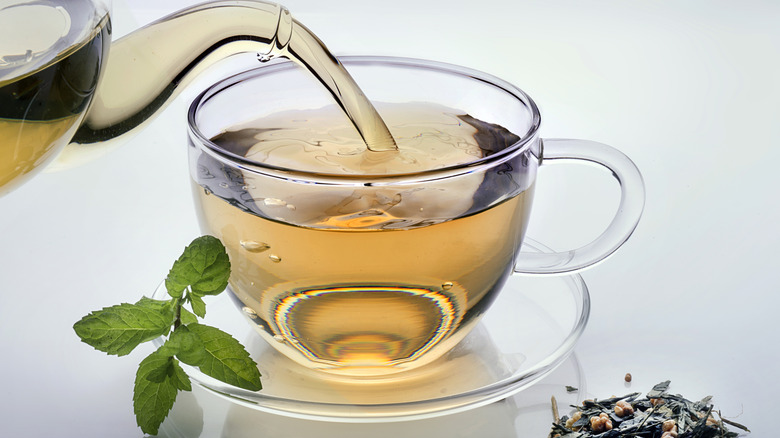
[63,83]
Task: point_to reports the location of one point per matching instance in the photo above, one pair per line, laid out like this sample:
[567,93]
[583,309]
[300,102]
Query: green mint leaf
[204,266]
[151,304]
[152,400]
[119,329]
[159,370]
[187,346]
[174,289]
[198,306]
[225,358]
[180,379]
[183,343]
[188,317]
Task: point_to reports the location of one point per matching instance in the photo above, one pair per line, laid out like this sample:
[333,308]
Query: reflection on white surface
[527,414]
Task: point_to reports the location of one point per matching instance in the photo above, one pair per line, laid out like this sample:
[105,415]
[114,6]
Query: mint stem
[177,321]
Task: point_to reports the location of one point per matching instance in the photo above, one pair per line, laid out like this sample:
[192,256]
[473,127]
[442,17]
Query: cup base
[363,350]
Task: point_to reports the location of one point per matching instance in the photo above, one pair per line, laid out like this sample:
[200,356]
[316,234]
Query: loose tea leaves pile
[658,415]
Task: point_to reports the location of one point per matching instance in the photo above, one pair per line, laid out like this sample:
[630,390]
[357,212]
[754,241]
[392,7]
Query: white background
[687,89]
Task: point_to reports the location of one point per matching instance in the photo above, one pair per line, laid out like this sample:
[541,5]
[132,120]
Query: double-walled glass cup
[372,274]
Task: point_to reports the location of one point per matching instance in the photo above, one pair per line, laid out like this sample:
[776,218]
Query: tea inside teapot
[50,61]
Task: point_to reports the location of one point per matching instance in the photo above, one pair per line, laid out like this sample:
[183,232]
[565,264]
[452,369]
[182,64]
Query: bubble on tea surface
[275,258]
[279,339]
[250,312]
[254,246]
[447,285]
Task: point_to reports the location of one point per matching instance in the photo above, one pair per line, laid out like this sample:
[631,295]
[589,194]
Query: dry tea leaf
[657,415]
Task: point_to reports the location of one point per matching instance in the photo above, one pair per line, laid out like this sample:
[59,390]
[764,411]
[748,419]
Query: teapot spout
[147,69]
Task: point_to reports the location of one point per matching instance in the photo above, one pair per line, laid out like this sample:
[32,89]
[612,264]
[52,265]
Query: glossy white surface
[689,90]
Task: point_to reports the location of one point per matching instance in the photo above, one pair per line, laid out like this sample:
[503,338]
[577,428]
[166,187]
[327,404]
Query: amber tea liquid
[362,281]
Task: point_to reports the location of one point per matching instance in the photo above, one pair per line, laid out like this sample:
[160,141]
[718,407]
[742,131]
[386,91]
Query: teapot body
[51,59]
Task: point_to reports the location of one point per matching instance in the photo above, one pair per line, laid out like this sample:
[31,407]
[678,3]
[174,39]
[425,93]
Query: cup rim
[522,145]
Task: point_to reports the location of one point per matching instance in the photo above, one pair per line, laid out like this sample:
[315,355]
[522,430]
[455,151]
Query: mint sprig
[119,329]
[202,269]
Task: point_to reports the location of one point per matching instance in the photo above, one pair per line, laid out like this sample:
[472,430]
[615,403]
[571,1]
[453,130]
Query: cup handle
[632,201]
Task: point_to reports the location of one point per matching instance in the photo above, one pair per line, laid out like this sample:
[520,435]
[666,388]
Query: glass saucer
[529,330]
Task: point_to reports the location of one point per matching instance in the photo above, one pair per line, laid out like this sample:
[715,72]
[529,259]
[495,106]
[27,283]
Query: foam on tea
[361,279]
[320,141]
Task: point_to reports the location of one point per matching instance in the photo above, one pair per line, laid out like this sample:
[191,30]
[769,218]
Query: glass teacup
[370,263]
